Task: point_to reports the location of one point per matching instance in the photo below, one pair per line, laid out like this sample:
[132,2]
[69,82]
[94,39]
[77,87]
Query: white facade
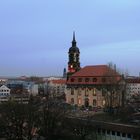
[34,89]
[56,87]
[3,80]
[132,89]
[85,97]
[4,93]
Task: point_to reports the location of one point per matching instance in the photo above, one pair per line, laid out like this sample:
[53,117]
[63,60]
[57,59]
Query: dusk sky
[35,35]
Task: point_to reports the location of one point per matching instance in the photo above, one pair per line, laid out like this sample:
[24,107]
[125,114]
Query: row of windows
[87,79]
[4,94]
[86,101]
[109,132]
[3,90]
[86,92]
[133,88]
[114,133]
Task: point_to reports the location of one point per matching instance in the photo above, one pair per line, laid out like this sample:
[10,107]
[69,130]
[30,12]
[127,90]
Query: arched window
[72,91]
[72,100]
[79,101]
[86,102]
[94,102]
[94,91]
[86,92]
[94,80]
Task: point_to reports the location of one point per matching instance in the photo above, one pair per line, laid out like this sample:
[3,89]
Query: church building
[95,85]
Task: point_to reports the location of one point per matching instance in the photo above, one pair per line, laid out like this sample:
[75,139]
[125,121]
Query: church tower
[73,63]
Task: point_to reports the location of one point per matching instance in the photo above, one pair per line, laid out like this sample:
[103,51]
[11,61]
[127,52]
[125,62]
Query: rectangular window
[108,132]
[123,135]
[118,133]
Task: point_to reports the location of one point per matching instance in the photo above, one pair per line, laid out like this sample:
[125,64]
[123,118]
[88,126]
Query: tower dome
[74,47]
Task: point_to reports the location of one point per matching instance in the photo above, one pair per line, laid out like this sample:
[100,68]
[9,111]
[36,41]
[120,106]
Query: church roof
[74,49]
[95,70]
[95,75]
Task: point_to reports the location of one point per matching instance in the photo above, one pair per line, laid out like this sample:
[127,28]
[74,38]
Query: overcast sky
[35,35]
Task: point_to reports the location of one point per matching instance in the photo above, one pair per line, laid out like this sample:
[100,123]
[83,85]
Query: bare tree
[113,88]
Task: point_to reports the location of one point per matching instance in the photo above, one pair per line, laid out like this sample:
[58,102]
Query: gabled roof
[59,81]
[4,87]
[95,70]
[134,80]
[95,75]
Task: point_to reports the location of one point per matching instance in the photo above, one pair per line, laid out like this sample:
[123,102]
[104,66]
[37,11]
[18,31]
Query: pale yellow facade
[85,96]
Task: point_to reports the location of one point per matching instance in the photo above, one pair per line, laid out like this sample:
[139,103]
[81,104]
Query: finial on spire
[74,36]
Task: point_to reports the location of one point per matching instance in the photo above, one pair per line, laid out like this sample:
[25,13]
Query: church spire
[74,36]
[74,41]
[74,54]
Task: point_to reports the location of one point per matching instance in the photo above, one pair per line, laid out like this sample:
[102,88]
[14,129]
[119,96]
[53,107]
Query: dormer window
[86,79]
[103,80]
[79,79]
[94,80]
[72,79]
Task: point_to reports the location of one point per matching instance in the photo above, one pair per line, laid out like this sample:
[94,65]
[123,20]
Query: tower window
[71,66]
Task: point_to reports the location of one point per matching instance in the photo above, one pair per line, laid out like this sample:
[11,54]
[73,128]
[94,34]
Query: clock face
[71,68]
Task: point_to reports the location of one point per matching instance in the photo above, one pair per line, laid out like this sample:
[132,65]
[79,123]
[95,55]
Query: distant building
[3,81]
[56,88]
[4,93]
[64,73]
[34,89]
[132,87]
